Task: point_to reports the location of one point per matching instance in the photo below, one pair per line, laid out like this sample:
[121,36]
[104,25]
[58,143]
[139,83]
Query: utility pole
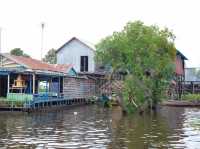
[42,38]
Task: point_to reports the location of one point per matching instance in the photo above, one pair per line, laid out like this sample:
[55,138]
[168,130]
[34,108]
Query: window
[43,87]
[84,64]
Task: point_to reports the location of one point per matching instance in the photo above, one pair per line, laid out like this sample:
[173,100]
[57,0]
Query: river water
[97,127]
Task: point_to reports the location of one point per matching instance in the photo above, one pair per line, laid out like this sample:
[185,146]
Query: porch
[26,89]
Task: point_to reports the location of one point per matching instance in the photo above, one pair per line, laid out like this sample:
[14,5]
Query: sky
[93,20]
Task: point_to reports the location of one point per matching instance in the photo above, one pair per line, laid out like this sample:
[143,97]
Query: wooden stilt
[33,83]
[59,86]
[192,87]
[8,87]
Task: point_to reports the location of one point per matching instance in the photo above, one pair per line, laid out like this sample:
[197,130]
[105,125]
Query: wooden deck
[48,104]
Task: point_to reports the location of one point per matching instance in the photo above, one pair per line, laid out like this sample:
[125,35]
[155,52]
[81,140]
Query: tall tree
[50,57]
[18,52]
[147,53]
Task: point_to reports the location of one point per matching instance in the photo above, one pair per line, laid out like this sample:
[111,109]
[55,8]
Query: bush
[146,55]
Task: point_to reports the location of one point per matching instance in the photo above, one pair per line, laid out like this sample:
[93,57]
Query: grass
[191,97]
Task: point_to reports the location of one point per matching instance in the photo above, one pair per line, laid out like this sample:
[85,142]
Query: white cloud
[94,19]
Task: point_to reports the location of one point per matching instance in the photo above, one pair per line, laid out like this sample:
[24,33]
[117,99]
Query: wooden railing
[191,87]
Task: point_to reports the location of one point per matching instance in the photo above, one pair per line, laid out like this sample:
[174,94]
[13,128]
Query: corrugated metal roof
[34,64]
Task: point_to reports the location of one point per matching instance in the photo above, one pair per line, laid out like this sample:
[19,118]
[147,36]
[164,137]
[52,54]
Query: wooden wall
[72,52]
[78,88]
[179,65]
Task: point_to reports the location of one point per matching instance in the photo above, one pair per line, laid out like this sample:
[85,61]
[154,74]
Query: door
[3,86]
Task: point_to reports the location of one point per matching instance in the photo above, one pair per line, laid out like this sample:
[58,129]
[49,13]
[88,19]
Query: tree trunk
[121,103]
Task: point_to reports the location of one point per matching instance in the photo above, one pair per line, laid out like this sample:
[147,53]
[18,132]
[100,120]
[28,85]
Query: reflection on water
[96,127]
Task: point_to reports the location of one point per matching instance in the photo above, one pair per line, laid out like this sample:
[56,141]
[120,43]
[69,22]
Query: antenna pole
[42,38]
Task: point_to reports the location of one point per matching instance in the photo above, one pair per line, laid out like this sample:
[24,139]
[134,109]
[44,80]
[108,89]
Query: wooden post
[30,84]
[59,86]
[51,85]
[192,87]
[33,83]
[8,87]
[63,84]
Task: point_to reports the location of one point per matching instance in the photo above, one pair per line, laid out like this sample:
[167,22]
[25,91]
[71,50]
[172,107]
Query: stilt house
[28,80]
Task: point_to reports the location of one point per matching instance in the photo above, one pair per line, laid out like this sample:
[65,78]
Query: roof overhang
[181,54]
[74,38]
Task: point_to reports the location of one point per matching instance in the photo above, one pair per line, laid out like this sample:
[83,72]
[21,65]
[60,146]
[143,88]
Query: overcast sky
[92,20]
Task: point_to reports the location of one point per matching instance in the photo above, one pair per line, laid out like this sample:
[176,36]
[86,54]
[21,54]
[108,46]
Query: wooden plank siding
[180,65]
[75,88]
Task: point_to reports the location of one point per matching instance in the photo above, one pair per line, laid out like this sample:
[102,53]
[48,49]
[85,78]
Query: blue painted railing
[44,97]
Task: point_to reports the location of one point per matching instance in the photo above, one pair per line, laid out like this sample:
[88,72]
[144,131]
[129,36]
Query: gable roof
[181,54]
[87,44]
[34,64]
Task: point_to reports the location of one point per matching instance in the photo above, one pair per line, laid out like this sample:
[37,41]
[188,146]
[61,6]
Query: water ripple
[102,128]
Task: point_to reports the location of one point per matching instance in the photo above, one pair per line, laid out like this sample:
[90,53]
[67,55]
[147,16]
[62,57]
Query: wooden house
[180,65]
[28,80]
[179,78]
[80,54]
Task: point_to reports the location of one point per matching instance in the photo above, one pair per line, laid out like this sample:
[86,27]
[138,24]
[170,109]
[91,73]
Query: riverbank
[181,103]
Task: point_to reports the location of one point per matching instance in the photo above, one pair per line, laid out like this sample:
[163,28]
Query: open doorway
[84,64]
[3,85]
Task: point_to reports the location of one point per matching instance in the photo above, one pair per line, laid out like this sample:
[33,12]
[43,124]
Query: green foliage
[18,52]
[108,104]
[192,97]
[147,53]
[50,57]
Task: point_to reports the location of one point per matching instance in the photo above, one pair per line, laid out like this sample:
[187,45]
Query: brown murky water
[96,127]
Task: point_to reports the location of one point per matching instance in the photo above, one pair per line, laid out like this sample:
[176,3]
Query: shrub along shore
[188,100]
